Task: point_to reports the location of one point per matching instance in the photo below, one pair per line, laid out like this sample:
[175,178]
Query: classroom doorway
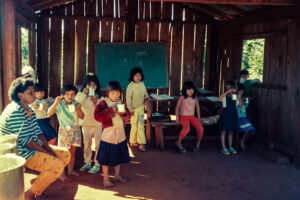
[253,58]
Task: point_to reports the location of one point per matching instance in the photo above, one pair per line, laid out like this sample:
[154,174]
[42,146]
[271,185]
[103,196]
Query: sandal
[142,148]
[107,183]
[196,149]
[181,150]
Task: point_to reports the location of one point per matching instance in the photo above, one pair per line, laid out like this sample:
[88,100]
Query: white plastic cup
[121,107]
[71,108]
[247,100]
[41,106]
[91,91]
[233,97]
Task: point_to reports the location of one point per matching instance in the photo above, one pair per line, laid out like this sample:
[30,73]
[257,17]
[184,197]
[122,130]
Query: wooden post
[8,45]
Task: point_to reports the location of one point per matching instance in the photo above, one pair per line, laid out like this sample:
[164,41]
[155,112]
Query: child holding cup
[89,96]
[113,149]
[40,107]
[136,96]
[228,118]
[68,112]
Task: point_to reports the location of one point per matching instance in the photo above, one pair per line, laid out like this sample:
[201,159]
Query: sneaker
[86,167]
[225,151]
[94,169]
[232,150]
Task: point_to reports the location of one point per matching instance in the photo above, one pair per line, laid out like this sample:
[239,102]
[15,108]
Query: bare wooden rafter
[238,2]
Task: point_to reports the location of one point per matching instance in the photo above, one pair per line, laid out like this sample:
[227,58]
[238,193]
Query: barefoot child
[244,124]
[68,111]
[113,149]
[185,115]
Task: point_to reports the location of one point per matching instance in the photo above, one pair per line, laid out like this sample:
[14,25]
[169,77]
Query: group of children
[103,118]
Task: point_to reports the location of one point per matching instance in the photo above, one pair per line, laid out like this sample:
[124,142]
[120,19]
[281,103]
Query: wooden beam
[212,11]
[237,2]
[42,5]
[8,46]
[233,9]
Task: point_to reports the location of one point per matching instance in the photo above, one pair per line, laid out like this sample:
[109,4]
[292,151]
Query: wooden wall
[66,47]
[276,105]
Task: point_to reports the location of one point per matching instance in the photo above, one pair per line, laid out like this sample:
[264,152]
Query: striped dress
[14,120]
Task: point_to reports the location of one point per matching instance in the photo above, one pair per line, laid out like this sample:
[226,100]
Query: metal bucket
[11,177]
[9,139]
[7,148]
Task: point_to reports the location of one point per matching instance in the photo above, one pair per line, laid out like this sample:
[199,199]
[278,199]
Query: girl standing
[185,115]
[136,96]
[228,118]
[113,149]
[89,96]
[244,124]
[68,111]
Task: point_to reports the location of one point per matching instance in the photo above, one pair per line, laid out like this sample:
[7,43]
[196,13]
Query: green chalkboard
[114,62]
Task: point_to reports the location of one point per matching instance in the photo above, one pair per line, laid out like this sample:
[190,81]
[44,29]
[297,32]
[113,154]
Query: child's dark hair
[19,85]
[135,71]
[68,87]
[189,85]
[113,85]
[240,87]
[38,88]
[95,79]
[244,72]
[230,85]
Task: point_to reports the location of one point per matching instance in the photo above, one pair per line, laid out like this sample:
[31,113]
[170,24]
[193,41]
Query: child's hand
[132,114]
[86,91]
[114,109]
[36,106]
[121,113]
[58,100]
[94,100]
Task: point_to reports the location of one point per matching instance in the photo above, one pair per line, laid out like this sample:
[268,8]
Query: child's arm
[177,109]
[103,113]
[240,101]
[128,98]
[52,109]
[79,111]
[226,93]
[198,109]
[127,115]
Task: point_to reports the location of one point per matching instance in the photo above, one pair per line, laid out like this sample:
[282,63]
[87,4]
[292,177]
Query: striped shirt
[66,118]
[14,120]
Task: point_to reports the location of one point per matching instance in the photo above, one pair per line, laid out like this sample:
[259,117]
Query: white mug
[71,108]
[121,107]
[91,91]
[233,97]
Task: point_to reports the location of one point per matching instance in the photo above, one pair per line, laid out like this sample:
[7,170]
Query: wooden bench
[159,126]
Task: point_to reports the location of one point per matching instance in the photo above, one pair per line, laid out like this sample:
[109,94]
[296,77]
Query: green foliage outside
[253,57]
[25,47]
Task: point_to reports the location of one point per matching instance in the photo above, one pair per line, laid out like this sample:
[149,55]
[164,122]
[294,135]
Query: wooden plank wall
[84,25]
[276,107]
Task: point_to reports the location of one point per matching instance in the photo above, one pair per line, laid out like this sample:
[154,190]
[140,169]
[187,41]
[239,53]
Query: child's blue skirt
[113,154]
[47,129]
[245,125]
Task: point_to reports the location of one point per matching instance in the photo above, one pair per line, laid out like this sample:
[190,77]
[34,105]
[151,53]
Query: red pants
[185,122]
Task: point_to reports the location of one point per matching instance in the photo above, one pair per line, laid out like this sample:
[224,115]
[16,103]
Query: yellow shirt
[136,94]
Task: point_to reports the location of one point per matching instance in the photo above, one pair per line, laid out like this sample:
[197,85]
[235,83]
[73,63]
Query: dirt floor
[207,175]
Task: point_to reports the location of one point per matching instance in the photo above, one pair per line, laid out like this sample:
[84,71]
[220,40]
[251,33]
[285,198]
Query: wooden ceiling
[217,9]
